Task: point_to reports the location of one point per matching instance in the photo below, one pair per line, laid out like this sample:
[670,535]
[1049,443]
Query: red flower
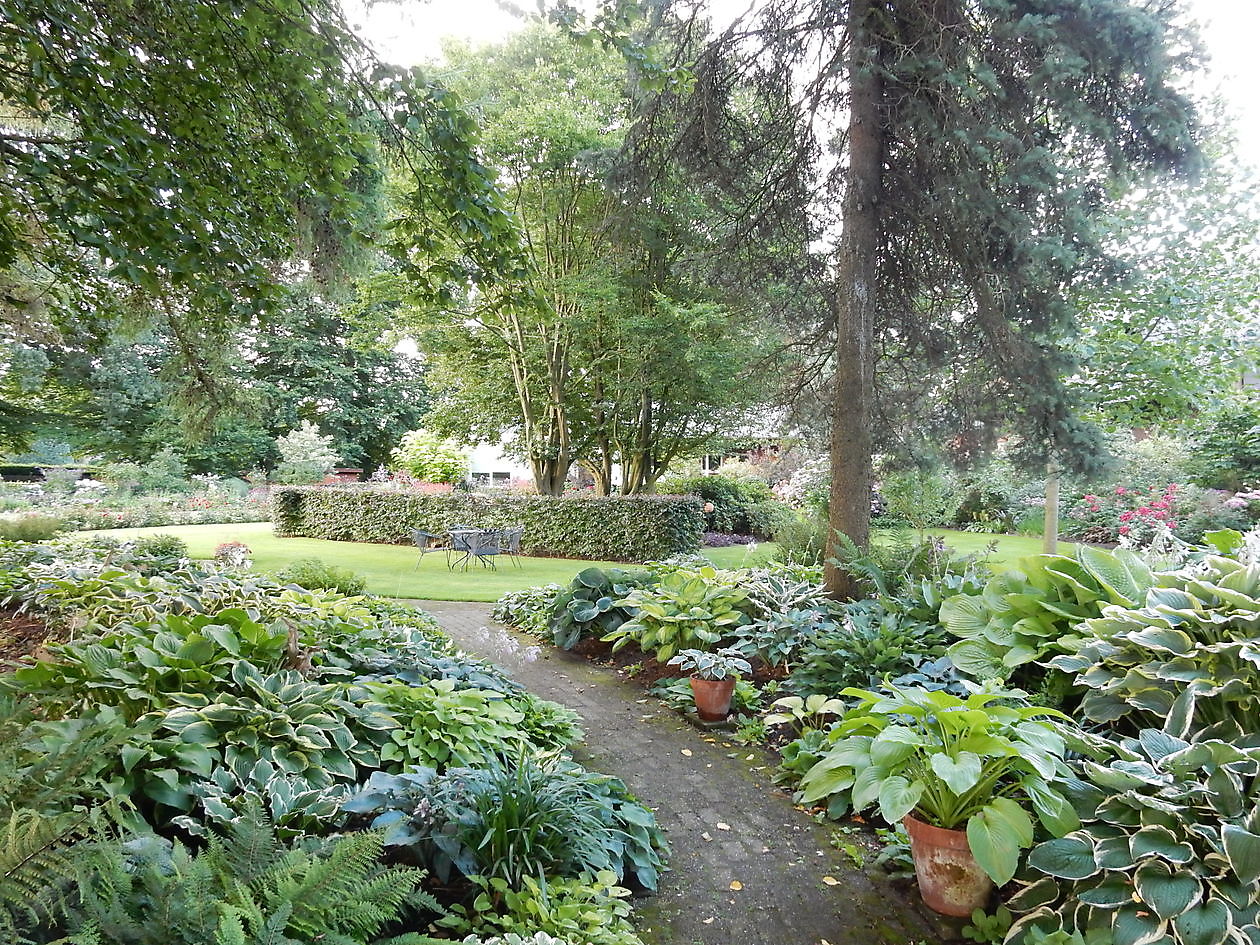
[1124,529]
[1121,490]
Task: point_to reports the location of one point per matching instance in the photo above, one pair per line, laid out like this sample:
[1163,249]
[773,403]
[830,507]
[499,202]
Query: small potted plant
[713,677]
[960,773]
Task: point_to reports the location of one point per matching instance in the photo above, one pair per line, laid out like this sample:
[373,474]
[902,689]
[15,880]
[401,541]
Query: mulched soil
[19,636]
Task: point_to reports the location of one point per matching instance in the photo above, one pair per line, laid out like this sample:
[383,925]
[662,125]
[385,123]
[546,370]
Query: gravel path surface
[747,867]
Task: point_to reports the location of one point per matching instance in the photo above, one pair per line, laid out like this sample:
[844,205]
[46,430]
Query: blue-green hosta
[1186,659]
[1168,851]
[1030,612]
[978,763]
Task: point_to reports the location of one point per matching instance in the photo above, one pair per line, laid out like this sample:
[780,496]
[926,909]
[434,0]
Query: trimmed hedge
[618,528]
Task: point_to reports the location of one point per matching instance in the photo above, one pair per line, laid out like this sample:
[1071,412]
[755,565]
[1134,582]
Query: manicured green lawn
[391,570]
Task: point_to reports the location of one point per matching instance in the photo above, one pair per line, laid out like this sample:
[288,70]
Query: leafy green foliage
[584,911]
[528,610]
[515,821]
[684,609]
[31,526]
[1227,447]
[245,886]
[722,664]
[952,762]
[1028,613]
[1168,849]
[735,500]
[623,528]
[871,645]
[430,458]
[1182,658]
[589,605]
[316,575]
[438,725]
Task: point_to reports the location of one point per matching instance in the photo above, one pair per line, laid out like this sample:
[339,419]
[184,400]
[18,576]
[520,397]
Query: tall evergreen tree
[977,142]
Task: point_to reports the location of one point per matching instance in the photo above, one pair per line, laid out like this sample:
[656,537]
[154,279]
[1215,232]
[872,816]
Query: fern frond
[36,868]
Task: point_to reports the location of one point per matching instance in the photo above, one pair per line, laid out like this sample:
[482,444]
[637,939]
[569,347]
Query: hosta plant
[137,669]
[723,664]
[1029,613]
[687,609]
[1168,850]
[439,725]
[778,639]
[528,609]
[592,603]
[1186,660]
[514,820]
[978,763]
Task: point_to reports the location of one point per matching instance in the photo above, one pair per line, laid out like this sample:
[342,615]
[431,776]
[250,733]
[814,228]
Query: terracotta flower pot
[713,697]
[950,880]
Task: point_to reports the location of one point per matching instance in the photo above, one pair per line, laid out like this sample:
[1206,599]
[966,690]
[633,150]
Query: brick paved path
[726,822]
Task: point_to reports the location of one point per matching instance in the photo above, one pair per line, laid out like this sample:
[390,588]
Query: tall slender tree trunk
[856,298]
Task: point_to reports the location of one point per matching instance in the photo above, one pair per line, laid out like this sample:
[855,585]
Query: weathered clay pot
[950,880]
[713,697]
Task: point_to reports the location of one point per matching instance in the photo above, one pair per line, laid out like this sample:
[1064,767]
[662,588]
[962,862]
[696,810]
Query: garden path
[748,868]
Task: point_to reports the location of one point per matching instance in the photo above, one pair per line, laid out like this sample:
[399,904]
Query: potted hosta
[961,773]
[713,677]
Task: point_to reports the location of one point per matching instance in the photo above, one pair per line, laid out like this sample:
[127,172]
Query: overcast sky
[409,32]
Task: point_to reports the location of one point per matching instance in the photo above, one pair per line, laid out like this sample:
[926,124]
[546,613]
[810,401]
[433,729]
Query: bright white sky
[409,32]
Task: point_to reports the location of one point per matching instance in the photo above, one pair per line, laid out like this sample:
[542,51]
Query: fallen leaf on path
[722,826]
[708,921]
[687,752]
[736,884]
[705,836]
[831,881]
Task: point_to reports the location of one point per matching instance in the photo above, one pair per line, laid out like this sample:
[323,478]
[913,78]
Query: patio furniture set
[464,544]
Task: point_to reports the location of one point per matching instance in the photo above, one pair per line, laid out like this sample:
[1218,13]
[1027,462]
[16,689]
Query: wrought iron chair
[511,538]
[425,541]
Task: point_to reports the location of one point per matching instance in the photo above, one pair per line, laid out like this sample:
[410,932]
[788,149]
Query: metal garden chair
[425,541]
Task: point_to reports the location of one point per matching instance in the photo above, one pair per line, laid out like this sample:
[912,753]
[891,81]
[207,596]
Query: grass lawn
[391,569]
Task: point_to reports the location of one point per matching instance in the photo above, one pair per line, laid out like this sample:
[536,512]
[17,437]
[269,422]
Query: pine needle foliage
[245,888]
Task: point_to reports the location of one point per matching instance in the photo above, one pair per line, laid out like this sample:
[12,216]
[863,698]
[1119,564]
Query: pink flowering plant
[1125,512]
[1138,515]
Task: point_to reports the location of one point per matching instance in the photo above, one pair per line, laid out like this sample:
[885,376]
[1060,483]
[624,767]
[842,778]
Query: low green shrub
[314,574]
[802,539]
[733,504]
[31,526]
[872,644]
[619,528]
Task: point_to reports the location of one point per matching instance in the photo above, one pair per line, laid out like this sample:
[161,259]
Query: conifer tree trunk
[856,298]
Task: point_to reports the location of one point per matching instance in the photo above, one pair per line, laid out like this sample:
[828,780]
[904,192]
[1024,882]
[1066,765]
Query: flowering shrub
[1137,515]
